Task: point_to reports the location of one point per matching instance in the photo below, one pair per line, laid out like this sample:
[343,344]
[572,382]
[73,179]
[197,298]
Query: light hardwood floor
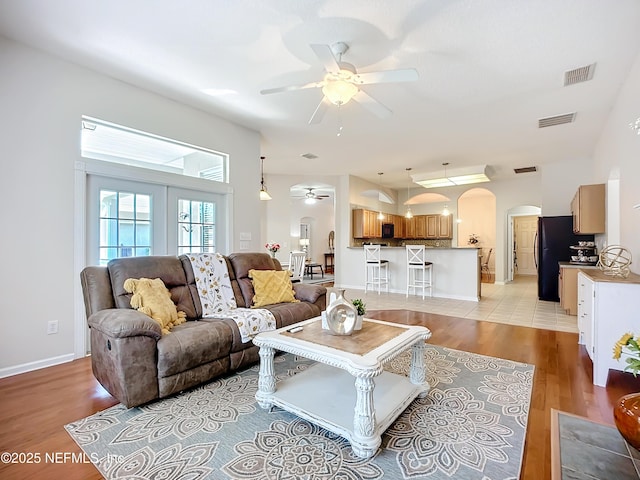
[35,406]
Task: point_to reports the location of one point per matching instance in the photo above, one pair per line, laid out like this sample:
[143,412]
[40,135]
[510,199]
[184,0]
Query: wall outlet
[52,327]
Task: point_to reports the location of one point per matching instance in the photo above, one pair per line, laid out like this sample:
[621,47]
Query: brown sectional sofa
[136,364]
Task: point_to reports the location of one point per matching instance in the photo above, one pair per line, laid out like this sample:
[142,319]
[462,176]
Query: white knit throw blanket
[218,300]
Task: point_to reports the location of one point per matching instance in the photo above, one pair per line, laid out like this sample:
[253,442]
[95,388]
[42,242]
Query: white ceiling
[489,69]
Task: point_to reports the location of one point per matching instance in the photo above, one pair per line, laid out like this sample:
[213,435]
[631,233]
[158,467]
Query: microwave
[387,230]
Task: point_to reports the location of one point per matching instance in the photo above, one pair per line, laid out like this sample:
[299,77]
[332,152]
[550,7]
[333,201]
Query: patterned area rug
[471,425]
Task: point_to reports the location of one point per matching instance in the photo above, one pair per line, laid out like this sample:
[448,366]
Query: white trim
[403,292]
[80,328]
[96,167]
[37,365]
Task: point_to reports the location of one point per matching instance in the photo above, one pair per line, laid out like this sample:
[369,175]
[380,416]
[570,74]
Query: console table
[328,262]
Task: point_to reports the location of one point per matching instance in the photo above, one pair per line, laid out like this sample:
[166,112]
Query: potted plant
[361,310]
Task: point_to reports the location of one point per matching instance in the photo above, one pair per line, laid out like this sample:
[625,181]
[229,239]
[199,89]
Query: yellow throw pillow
[151,297]
[271,286]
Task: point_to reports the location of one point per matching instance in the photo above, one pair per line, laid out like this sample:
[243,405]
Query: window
[117,144]
[125,225]
[196,226]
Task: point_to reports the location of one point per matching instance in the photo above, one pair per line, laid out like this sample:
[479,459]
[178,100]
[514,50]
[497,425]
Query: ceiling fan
[342,82]
[311,197]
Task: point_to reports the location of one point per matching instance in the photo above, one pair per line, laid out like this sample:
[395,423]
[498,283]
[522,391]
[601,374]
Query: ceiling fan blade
[324,53]
[320,111]
[387,76]
[291,88]
[372,104]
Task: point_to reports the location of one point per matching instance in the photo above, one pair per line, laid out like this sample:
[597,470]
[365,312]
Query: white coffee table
[324,394]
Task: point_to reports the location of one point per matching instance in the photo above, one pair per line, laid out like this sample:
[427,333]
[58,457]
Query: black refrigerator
[553,239]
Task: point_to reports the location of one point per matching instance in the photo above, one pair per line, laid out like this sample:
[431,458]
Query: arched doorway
[477,219]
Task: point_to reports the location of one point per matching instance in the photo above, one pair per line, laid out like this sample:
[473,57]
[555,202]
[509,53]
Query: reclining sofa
[135,363]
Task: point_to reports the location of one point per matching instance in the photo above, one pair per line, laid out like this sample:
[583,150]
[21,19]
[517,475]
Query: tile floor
[515,303]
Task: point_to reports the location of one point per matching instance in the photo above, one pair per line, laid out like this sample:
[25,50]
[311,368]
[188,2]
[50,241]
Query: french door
[132,218]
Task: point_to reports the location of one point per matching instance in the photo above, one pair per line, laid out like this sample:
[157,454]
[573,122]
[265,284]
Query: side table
[328,262]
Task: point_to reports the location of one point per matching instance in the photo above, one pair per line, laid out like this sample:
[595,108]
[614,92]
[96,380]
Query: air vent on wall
[525,169]
[579,75]
[309,156]
[557,120]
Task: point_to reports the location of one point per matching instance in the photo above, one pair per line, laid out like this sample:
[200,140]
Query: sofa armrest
[124,322]
[308,293]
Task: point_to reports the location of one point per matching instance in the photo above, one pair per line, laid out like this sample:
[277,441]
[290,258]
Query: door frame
[520,211]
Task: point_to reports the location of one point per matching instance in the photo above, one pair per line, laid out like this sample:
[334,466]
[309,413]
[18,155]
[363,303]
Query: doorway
[524,234]
[517,262]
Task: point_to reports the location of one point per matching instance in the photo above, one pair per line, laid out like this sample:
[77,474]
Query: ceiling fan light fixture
[339,91]
[310,200]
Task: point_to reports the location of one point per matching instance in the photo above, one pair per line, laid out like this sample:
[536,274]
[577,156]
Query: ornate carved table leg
[418,370]
[366,438]
[266,378]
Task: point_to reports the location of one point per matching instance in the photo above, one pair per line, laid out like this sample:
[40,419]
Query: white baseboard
[37,365]
[403,292]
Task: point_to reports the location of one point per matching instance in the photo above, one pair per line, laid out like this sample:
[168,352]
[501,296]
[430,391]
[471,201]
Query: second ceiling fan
[342,82]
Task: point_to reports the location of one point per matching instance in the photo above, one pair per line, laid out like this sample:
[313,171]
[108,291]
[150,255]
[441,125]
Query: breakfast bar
[456,270]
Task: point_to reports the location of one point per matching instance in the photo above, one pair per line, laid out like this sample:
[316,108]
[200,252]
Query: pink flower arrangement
[272,247]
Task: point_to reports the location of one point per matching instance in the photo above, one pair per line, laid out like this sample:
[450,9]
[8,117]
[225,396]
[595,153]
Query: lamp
[380,214]
[458,176]
[408,214]
[304,243]
[264,195]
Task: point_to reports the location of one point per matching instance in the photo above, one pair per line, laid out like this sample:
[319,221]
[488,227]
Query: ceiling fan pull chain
[340,127]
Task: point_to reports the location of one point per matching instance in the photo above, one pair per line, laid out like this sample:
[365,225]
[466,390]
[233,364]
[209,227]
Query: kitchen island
[456,271]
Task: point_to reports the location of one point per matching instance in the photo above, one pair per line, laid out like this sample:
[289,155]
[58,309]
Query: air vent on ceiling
[579,75]
[557,120]
[309,156]
[525,169]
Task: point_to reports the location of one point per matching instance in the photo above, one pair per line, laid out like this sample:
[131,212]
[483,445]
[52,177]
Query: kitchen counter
[456,270]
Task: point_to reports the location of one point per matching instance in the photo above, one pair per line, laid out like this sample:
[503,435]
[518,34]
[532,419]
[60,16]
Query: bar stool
[376,271]
[416,263]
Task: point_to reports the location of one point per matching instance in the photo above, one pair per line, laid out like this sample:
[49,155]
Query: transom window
[118,144]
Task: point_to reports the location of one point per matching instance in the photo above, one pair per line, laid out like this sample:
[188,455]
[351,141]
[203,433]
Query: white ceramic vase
[341,315]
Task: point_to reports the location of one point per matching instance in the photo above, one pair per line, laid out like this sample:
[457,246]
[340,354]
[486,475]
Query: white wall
[618,152]
[43,99]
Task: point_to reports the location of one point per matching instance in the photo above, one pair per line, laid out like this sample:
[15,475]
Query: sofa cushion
[167,268]
[271,287]
[241,263]
[152,298]
[192,344]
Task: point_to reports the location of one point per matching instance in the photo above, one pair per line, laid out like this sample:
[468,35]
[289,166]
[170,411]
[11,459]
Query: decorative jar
[626,414]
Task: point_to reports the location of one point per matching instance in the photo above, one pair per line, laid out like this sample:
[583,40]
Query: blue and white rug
[471,425]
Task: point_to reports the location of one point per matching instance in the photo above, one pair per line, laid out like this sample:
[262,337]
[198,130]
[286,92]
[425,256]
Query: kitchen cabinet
[568,288]
[398,226]
[607,308]
[432,224]
[587,209]
[439,226]
[366,224]
[445,226]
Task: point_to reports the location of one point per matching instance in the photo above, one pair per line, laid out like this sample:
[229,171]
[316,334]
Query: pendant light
[380,214]
[445,211]
[264,195]
[408,214]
